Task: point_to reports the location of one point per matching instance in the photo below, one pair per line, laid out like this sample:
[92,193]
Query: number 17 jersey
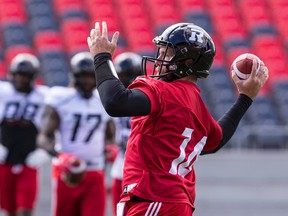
[82,124]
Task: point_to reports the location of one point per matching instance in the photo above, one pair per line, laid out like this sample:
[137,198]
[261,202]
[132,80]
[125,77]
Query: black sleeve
[116,99]
[230,120]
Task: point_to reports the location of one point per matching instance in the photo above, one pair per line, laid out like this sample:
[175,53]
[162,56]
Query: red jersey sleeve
[145,84]
[214,136]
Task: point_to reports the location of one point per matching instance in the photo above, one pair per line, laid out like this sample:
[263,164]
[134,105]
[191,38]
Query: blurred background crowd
[56,30]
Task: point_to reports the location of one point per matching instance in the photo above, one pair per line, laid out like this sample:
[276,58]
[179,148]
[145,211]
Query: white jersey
[123,130]
[16,105]
[20,116]
[82,124]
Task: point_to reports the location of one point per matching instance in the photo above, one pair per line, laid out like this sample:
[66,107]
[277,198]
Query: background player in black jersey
[21,108]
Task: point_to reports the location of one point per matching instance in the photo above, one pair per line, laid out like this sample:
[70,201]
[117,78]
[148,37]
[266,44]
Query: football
[72,169]
[242,65]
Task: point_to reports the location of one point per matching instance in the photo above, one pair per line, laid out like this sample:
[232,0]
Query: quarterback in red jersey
[171,125]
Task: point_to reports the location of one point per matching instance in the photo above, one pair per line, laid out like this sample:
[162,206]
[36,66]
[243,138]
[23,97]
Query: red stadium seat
[47,40]
[74,34]
[227,13]
[132,11]
[270,50]
[280,17]
[3,72]
[12,11]
[103,11]
[74,26]
[219,59]
[12,51]
[63,5]
[250,4]
[217,4]
[265,41]
[188,5]
[111,22]
[227,23]
[260,16]
[229,29]
[277,4]
[140,41]
[129,2]
[137,24]
[162,11]
[234,53]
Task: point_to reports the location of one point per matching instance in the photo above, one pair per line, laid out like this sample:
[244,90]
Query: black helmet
[25,63]
[128,67]
[193,48]
[82,64]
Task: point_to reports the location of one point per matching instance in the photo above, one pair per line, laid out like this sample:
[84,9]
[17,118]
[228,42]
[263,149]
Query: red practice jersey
[164,145]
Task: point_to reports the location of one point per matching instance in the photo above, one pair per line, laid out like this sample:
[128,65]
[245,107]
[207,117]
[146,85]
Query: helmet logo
[194,36]
[173,67]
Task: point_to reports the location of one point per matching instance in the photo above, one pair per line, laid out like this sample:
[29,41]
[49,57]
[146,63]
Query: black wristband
[247,101]
[101,58]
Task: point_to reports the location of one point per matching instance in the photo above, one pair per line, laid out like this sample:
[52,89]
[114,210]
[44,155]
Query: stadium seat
[74,13]
[3,72]
[220,3]
[191,5]
[42,23]
[263,29]
[138,33]
[74,34]
[280,17]
[37,8]
[15,33]
[279,91]
[229,28]
[200,18]
[63,5]
[48,40]
[143,41]
[162,11]
[275,59]
[131,11]
[236,43]
[12,11]
[55,68]
[263,112]
[234,52]
[267,136]
[259,17]
[219,59]
[219,78]
[220,108]
[103,12]
[12,51]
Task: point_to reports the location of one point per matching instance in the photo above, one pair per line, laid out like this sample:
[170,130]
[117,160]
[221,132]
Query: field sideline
[229,183]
